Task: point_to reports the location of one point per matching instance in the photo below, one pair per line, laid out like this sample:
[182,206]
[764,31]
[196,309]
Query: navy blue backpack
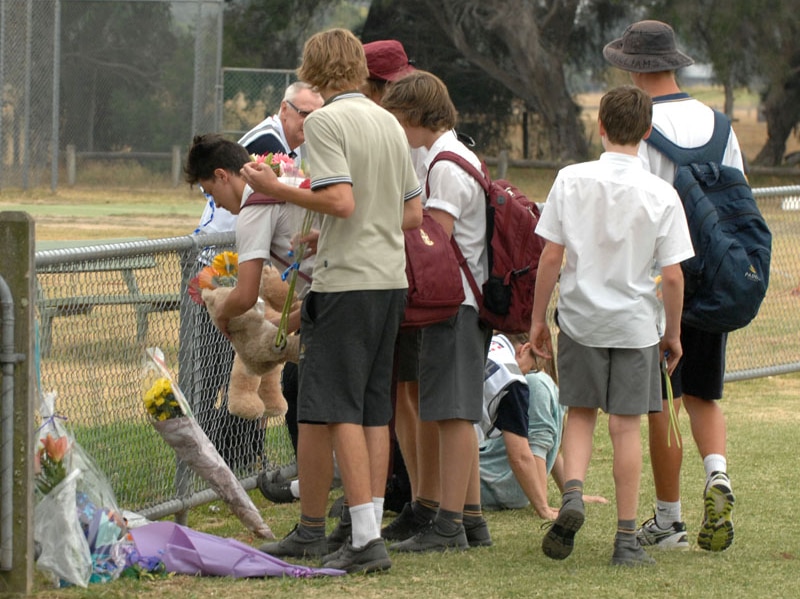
[726,281]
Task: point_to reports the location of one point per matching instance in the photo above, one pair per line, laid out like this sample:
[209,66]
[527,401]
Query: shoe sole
[666,544]
[560,539]
[379,565]
[716,533]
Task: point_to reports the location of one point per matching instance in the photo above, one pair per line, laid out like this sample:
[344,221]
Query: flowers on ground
[49,463]
[160,400]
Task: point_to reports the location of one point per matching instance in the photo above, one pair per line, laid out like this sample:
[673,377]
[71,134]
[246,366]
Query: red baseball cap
[387,60]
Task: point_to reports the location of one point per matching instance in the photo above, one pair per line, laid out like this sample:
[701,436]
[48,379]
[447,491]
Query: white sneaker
[716,532]
[650,534]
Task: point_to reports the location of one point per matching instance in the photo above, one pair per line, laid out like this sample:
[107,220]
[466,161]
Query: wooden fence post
[71,164]
[17,243]
[177,167]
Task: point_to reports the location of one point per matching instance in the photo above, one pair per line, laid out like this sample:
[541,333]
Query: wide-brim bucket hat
[646,47]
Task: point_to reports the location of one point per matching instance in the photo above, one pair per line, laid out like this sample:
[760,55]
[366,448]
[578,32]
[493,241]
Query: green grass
[763,417]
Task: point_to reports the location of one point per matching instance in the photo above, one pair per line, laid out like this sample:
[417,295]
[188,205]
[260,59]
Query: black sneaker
[277,492]
[294,545]
[432,539]
[404,526]
[560,539]
[339,535]
[478,533]
[372,557]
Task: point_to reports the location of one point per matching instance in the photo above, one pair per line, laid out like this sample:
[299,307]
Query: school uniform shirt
[614,218]
[688,123]
[354,141]
[265,228]
[453,190]
[499,487]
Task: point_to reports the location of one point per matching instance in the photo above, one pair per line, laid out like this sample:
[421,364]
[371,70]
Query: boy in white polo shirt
[612,219]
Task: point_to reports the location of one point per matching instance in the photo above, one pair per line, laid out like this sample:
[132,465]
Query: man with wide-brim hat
[647,50]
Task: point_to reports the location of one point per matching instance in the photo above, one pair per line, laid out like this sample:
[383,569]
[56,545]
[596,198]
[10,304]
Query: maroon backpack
[513,249]
[435,291]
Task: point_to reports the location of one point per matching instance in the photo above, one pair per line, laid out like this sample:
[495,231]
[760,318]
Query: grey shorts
[451,368]
[347,343]
[617,380]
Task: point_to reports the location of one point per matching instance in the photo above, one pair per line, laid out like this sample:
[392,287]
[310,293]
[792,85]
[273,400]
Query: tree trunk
[782,111]
[522,46]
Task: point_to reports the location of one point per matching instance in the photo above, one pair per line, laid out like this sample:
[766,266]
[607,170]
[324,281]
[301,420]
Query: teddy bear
[254,389]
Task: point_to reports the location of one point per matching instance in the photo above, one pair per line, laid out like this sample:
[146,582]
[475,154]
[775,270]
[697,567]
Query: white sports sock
[667,513]
[364,526]
[294,488]
[715,462]
[377,504]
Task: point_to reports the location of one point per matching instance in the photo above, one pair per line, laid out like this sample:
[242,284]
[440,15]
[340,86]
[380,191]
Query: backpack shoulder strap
[481,176]
[712,151]
[259,199]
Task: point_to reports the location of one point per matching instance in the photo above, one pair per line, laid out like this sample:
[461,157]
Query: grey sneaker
[294,545]
[432,539]
[478,533]
[404,526]
[650,534]
[372,557]
[630,554]
[716,532]
[560,539]
[339,535]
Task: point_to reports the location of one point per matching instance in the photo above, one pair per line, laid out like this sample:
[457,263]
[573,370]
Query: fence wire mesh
[99,308]
[119,76]
[106,304]
[251,95]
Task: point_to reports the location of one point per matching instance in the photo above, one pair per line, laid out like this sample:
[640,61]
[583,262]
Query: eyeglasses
[303,113]
[208,196]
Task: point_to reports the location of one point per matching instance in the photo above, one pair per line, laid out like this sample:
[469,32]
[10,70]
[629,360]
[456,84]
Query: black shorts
[701,370]
[347,343]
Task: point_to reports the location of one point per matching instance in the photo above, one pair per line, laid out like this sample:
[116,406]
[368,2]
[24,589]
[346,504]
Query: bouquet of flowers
[282,165]
[222,272]
[79,532]
[172,417]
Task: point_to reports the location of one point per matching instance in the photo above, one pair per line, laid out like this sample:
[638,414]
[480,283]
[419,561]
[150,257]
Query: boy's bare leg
[405,425]
[314,468]
[458,447]
[356,468]
[625,433]
[666,460]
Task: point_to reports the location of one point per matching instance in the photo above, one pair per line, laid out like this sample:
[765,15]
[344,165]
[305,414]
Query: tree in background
[113,98]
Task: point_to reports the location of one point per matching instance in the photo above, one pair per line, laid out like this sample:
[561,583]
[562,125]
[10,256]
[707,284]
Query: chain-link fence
[105,76]
[249,96]
[100,307]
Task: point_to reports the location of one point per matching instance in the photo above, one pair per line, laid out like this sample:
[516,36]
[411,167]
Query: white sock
[364,526]
[715,462]
[377,505]
[667,513]
[294,488]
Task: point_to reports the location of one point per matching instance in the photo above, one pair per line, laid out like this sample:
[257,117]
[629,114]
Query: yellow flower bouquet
[172,417]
